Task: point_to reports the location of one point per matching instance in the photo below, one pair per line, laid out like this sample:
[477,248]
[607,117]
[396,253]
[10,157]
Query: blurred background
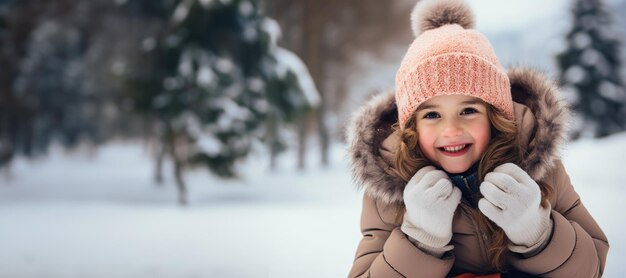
[205,138]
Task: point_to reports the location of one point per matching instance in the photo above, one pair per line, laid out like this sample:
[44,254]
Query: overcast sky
[495,15]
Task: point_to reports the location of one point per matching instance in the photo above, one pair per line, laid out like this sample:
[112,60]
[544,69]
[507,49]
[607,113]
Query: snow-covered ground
[101,216]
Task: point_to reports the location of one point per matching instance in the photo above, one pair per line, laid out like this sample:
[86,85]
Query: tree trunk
[178,166]
[272,134]
[314,27]
[158,169]
[180,183]
[323,134]
[303,129]
[6,173]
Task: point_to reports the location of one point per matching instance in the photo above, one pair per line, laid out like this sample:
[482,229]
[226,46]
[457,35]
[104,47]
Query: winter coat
[577,247]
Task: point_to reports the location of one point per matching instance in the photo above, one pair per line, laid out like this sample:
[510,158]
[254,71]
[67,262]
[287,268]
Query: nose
[452,129]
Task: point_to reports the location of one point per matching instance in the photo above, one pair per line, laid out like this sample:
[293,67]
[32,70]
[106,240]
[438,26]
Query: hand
[512,200]
[430,200]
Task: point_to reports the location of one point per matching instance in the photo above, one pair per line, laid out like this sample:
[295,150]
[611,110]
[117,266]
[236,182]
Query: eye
[468,111]
[431,115]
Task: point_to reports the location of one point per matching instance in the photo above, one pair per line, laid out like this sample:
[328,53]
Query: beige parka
[577,247]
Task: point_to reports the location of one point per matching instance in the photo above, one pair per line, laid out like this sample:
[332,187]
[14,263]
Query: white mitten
[512,200]
[430,200]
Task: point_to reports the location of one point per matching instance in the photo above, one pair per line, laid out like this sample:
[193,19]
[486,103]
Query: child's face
[453,131]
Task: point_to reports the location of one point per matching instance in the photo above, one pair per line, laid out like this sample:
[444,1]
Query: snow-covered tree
[216,82]
[205,78]
[17,21]
[591,70]
[332,37]
[289,86]
[49,83]
[42,93]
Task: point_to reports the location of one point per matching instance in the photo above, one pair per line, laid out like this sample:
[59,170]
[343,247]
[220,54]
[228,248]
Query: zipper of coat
[469,189]
[482,237]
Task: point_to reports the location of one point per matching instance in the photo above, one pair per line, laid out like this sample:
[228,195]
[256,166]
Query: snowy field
[100,215]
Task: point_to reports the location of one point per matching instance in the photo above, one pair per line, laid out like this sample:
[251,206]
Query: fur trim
[552,114]
[371,124]
[431,14]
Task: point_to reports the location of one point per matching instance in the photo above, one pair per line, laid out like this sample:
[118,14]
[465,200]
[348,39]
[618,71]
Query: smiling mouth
[454,149]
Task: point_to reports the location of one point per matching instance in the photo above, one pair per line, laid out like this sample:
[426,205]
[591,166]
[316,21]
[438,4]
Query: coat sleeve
[385,251]
[577,247]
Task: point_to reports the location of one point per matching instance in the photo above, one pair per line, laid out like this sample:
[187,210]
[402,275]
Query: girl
[460,166]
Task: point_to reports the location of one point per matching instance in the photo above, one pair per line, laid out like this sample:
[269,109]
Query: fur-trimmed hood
[540,113]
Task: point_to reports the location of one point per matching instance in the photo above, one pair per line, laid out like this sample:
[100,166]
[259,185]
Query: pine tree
[49,85]
[17,20]
[42,93]
[211,81]
[591,69]
[49,80]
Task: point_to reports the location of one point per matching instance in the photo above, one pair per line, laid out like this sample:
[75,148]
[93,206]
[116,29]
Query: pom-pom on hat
[447,57]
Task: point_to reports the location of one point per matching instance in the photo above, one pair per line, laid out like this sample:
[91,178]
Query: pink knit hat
[448,59]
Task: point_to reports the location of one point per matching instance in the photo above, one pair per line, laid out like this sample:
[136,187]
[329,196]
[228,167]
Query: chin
[455,170]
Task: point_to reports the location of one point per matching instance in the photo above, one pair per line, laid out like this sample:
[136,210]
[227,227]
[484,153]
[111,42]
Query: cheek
[426,141]
[482,135]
